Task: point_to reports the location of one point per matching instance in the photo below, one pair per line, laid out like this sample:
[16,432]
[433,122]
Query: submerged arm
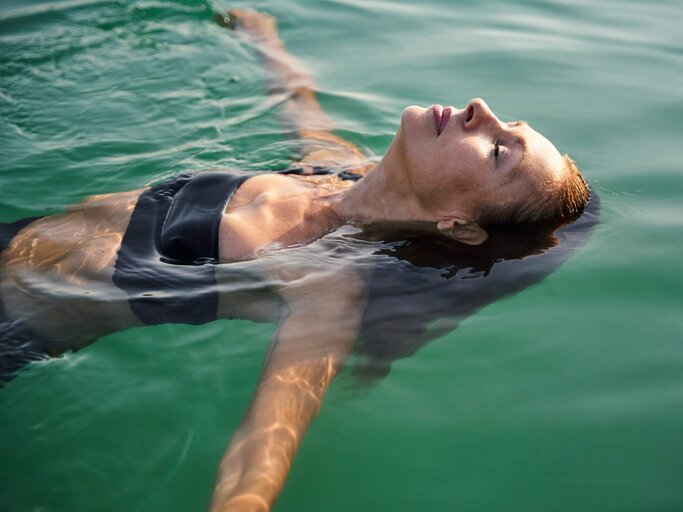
[309,349]
[301,110]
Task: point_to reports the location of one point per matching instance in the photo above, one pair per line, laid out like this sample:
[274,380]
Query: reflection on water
[423,281]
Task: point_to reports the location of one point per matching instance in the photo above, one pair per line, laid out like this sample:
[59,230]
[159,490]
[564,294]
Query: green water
[566,397]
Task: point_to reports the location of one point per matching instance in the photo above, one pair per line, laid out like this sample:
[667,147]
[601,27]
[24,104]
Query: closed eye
[500,153]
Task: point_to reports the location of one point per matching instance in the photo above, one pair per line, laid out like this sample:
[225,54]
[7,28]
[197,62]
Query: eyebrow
[519,139]
[522,142]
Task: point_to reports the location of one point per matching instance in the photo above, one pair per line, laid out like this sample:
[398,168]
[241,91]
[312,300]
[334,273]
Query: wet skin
[475,161]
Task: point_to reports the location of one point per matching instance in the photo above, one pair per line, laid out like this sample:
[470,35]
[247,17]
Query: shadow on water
[423,286]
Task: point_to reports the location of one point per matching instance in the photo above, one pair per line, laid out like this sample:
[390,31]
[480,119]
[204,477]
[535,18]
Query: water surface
[567,396]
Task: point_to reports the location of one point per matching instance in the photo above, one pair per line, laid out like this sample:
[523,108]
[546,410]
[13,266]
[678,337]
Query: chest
[273,211]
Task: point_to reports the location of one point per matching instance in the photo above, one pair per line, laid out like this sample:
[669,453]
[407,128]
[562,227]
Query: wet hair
[573,194]
[565,203]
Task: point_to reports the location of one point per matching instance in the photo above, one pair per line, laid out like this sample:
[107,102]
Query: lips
[441,117]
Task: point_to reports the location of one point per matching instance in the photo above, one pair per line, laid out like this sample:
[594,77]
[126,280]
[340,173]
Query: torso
[62,286]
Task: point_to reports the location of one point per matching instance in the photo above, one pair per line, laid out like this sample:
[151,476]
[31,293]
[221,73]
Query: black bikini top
[166,260]
[189,233]
[190,230]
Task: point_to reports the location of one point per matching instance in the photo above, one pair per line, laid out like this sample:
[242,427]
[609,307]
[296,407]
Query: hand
[259,25]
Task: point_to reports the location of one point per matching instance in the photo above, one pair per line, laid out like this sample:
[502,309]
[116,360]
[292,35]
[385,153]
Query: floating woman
[347,256]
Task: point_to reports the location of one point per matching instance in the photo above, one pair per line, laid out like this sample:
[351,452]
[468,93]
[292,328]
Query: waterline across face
[459,161]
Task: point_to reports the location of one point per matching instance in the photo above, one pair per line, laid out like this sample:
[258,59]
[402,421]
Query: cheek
[464,177]
[461,163]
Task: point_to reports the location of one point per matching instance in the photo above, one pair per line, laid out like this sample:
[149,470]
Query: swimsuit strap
[318,170]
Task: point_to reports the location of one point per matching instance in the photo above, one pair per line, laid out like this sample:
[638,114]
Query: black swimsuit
[172,243]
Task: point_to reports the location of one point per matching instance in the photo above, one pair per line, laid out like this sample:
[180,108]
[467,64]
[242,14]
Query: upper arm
[324,311]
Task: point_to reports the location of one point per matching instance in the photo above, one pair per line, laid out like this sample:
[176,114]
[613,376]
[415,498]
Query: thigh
[57,271]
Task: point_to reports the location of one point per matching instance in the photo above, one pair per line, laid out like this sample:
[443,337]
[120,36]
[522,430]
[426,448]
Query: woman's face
[458,161]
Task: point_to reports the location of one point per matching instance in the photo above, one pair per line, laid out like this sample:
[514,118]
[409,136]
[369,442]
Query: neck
[382,195]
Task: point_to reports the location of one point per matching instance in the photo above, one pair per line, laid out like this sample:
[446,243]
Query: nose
[477,112]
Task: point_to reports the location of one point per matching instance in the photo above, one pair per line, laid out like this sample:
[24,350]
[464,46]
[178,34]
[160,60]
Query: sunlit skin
[475,160]
[448,177]
[444,179]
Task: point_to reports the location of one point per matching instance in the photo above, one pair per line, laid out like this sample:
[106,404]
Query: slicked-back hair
[565,203]
[573,194]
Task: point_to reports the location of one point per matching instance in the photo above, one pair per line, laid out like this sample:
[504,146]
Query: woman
[266,247]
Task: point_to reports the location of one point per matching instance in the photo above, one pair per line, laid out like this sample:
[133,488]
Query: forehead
[542,161]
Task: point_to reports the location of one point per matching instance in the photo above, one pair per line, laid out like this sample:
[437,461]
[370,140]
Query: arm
[300,110]
[310,346]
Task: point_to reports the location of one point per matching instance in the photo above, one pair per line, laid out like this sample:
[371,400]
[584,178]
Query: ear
[467,232]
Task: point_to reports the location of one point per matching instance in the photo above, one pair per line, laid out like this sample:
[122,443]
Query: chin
[412,112]
[413,120]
